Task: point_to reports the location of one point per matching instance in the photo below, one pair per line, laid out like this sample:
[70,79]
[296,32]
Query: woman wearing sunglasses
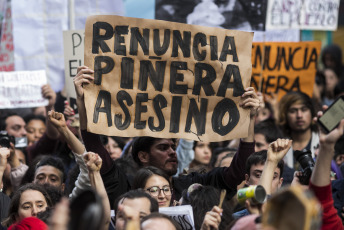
[156,183]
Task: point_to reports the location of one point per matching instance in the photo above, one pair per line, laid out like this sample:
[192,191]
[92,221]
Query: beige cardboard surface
[111,38]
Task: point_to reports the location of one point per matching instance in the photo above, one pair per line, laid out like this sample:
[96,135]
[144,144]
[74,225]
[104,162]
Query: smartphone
[333,115]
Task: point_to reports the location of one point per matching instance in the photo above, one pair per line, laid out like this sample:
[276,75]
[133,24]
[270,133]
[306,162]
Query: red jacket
[330,218]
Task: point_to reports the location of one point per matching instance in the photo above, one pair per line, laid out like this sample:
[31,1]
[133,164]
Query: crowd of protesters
[68,178]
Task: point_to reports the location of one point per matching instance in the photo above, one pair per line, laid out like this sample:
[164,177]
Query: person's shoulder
[338,185]
[4,197]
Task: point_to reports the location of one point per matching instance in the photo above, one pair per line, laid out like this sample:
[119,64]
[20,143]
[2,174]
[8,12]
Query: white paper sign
[181,214]
[277,36]
[73,43]
[22,89]
[302,14]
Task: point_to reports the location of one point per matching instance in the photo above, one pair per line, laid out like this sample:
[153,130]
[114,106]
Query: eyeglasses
[155,190]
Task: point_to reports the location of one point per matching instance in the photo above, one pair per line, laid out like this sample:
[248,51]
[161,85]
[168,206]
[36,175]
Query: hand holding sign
[48,93]
[250,101]
[212,219]
[83,77]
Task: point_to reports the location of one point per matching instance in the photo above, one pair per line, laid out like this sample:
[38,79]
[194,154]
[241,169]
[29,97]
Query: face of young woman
[35,130]
[203,152]
[114,150]
[31,202]
[159,188]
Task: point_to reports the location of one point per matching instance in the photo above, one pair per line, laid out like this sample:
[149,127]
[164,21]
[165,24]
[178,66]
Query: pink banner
[6,44]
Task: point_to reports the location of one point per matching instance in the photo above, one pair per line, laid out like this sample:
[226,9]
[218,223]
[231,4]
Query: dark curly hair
[15,201]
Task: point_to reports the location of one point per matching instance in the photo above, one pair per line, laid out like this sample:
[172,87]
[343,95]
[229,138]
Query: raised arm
[78,149]
[4,154]
[94,163]
[250,101]
[58,121]
[48,93]
[92,141]
[212,219]
[83,77]
[322,169]
[18,169]
[276,151]
[235,173]
[230,177]
[320,182]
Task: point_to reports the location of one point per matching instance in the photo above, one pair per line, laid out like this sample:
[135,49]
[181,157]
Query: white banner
[277,36]
[22,89]
[302,14]
[73,42]
[37,32]
[183,215]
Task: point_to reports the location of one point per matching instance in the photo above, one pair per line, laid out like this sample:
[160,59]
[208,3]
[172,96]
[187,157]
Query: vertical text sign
[73,42]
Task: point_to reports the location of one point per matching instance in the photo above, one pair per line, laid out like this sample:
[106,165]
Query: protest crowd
[284,171]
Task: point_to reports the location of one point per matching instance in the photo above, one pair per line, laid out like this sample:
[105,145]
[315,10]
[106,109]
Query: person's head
[265,132]
[114,145]
[331,57]
[160,153]
[50,170]
[219,153]
[332,80]
[156,182]
[264,113]
[203,152]
[27,201]
[13,124]
[35,127]
[227,160]
[138,200]
[39,111]
[203,199]
[254,168]
[158,221]
[296,113]
[20,155]
[339,151]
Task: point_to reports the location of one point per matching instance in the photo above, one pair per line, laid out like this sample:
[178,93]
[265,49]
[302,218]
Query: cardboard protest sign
[288,66]
[183,215]
[73,42]
[306,14]
[22,89]
[231,14]
[164,79]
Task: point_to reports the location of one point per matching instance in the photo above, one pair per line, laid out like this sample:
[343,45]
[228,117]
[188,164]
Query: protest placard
[22,89]
[73,42]
[288,66]
[165,79]
[306,14]
[183,215]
